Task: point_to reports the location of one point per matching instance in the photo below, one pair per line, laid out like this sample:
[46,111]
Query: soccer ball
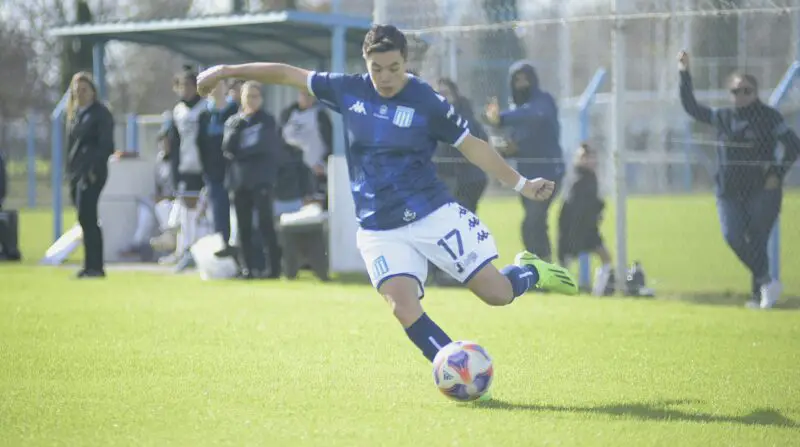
[463,371]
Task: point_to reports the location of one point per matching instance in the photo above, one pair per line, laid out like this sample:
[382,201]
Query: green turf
[145,359]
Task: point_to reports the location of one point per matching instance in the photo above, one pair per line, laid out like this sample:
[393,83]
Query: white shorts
[452,238]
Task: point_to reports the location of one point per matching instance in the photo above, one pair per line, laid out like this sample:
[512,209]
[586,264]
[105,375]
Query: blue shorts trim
[479,268]
[409,275]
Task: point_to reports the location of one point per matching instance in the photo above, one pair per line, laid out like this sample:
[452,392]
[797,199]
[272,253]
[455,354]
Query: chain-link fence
[612,68]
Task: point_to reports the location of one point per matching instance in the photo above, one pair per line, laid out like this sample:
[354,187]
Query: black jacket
[90,141]
[295,180]
[252,147]
[746,142]
[2,181]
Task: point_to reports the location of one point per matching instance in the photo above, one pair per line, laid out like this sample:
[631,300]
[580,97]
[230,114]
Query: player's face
[251,99]
[186,88]
[388,72]
[743,92]
[83,93]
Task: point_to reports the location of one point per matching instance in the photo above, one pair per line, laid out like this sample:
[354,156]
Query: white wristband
[520,184]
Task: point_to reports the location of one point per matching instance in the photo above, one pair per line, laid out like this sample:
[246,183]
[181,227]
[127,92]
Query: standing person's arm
[701,113]
[791,145]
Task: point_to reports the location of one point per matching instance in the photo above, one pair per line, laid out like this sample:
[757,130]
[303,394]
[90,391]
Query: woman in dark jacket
[468,181]
[749,176]
[90,143]
[250,144]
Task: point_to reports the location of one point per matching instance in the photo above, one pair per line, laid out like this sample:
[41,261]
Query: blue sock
[428,337]
[522,278]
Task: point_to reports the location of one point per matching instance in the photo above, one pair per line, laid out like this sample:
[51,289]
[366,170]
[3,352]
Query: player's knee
[492,287]
[402,294]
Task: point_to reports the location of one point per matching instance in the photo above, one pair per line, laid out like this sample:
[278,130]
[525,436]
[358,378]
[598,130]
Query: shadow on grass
[656,411]
[730,299]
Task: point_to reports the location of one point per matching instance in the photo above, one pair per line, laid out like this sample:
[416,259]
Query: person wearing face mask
[90,142]
[251,145]
[534,131]
[749,176]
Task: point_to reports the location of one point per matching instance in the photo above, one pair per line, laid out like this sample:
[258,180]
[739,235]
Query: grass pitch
[149,359]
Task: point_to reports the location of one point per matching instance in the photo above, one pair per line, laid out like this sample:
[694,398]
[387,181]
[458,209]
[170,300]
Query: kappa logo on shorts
[379,267]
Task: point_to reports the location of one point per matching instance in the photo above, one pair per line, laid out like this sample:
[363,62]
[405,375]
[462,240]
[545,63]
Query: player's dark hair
[383,39]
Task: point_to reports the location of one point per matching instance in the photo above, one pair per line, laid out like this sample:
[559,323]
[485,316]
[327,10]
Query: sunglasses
[744,91]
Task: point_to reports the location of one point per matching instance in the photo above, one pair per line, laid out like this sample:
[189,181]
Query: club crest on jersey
[403,116]
[409,215]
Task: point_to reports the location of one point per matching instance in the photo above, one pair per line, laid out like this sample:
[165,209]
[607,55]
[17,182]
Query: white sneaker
[601,276]
[770,294]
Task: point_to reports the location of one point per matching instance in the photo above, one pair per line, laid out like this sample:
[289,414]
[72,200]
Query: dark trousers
[85,194]
[220,207]
[535,229]
[746,225]
[468,194]
[260,200]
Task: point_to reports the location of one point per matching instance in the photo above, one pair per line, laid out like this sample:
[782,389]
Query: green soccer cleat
[551,277]
[485,397]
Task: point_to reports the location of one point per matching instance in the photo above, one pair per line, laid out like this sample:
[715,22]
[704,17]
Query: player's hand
[493,111]
[538,189]
[683,61]
[209,78]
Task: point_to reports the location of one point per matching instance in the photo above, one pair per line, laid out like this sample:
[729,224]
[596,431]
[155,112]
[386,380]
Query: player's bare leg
[402,294]
[498,288]
[491,286]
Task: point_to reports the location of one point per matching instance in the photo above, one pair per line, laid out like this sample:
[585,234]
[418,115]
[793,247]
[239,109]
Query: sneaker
[551,277]
[90,273]
[770,294]
[601,277]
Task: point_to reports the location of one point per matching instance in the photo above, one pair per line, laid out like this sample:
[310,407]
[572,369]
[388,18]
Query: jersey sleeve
[445,124]
[327,87]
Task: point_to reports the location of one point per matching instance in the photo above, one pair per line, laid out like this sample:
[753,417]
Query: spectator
[212,123]
[535,132]
[579,220]
[469,181]
[250,145]
[185,140]
[3,181]
[306,127]
[90,141]
[749,176]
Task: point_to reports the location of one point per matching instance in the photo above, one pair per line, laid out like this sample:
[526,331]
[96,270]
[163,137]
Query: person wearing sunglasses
[749,175]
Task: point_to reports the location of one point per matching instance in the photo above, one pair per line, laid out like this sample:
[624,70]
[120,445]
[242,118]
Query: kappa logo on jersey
[358,107]
[403,116]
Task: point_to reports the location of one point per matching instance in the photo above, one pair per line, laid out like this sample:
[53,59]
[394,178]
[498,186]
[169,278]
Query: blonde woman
[90,130]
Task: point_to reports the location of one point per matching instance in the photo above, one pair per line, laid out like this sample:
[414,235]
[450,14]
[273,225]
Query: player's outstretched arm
[263,72]
[484,156]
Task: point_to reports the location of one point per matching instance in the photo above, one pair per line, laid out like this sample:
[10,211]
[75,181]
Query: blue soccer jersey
[391,145]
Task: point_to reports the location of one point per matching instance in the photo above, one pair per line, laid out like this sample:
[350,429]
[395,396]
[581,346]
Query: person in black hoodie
[534,130]
[749,176]
[469,180]
[250,144]
[90,141]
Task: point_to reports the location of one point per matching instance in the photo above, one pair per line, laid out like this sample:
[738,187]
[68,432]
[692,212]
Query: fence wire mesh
[685,238]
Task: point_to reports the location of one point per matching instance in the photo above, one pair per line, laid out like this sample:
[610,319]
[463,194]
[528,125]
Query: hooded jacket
[534,128]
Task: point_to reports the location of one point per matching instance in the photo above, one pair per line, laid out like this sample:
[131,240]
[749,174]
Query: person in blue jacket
[534,130]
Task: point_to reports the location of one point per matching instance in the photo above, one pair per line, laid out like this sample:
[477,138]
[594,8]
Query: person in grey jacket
[251,145]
